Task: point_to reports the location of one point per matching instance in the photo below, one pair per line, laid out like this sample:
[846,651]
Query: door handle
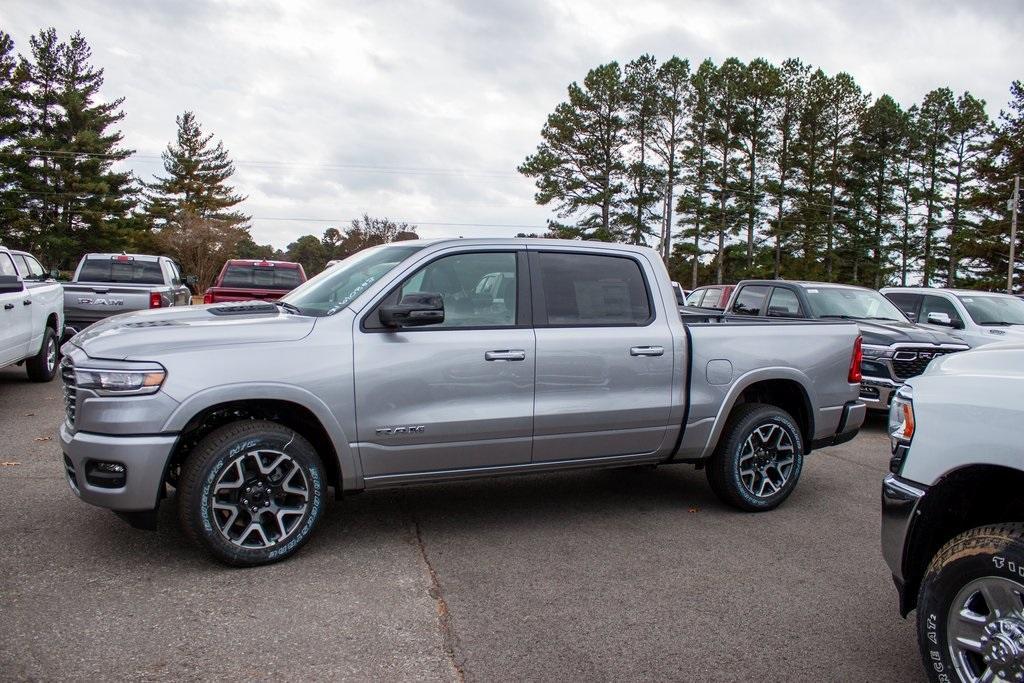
[8,307]
[647,350]
[505,354]
[26,302]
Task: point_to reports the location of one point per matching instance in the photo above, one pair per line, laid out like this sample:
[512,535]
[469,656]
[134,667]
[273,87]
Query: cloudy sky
[421,111]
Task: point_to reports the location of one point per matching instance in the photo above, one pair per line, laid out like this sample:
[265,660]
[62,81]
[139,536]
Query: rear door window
[590,290]
[783,304]
[7,265]
[908,303]
[750,300]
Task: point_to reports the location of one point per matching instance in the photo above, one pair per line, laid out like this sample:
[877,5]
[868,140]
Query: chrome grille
[67,374]
[910,362]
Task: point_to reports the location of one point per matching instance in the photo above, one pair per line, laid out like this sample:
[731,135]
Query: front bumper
[144,457]
[901,501]
[877,392]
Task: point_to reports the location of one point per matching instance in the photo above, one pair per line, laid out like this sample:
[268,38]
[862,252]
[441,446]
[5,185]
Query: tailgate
[85,302]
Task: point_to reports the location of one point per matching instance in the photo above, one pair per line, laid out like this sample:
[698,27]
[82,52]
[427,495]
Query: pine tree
[11,129]
[785,122]
[74,199]
[696,162]
[668,139]
[641,100]
[727,92]
[196,182]
[761,88]
[933,131]
[811,161]
[907,194]
[970,129]
[844,107]
[579,165]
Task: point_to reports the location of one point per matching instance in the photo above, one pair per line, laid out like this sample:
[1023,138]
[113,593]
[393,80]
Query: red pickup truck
[245,280]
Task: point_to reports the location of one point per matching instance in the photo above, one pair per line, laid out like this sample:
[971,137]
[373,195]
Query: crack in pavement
[444,617]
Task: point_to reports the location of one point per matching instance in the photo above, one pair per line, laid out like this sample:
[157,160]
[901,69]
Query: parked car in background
[895,349]
[31,315]
[246,279]
[681,293]
[423,361]
[953,515]
[108,284]
[711,296]
[976,318]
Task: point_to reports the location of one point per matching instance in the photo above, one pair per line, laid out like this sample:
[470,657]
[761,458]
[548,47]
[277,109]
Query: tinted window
[994,310]
[783,304]
[260,277]
[479,290]
[126,270]
[936,304]
[906,302]
[35,269]
[750,300]
[695,297]
[6,265]
[581,289]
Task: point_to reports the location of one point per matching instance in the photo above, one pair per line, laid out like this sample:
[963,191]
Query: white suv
[977,318]
[953,512]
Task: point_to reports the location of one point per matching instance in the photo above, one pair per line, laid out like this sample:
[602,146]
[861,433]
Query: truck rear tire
[42,367]
[970,608]
[759,458]
[251,493]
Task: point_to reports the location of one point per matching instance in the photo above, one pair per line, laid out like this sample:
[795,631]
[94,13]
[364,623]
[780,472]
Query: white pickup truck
[31,315]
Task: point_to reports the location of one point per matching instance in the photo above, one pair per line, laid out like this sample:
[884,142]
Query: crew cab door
[456,394]
[15,318]
[604,356]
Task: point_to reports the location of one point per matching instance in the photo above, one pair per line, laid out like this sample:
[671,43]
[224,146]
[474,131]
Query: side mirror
[418,309]
[943,319]
[192,280]
[10,284]
[54,274]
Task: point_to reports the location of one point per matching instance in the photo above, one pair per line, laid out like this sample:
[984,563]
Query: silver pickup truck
[400,366]
[108,284]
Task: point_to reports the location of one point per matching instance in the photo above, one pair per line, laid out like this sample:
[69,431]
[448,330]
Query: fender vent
[243,309]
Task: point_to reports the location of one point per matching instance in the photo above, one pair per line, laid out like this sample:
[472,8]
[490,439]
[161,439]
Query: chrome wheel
[767,459]
[260,499]
[985,630]
[51,355]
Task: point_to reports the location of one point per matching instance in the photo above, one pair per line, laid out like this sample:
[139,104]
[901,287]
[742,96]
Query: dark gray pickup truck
[108,284]
[434,360]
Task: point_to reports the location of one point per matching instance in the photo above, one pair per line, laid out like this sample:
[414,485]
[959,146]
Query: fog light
[106,475]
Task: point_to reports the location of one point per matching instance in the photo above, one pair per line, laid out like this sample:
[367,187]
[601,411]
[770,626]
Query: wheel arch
[783,388]
[290,406]
[963,499]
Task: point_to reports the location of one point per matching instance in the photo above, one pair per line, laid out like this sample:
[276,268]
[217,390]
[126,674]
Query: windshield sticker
[812,291]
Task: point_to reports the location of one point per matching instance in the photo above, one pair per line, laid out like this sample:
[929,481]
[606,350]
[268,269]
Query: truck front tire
[970,608]
[42,367]
[251,493]
[759,458]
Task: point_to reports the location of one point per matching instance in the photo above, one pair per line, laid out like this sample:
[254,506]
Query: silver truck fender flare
[348,464]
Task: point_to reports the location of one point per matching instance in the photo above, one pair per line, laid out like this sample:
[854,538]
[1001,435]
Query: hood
[1005,359]
[145,335]
[885,333]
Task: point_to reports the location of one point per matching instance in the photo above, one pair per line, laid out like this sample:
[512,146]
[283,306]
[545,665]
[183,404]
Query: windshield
[336,287]
[843,302]
[994,310]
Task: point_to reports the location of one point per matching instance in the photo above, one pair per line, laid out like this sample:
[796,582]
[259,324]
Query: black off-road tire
[978,554]
[724,467]
[207,464]
[42,367]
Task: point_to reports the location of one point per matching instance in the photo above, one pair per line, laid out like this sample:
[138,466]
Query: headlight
[901,418]
[875,351]
[120,382]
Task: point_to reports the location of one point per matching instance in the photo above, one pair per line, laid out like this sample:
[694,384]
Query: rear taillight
[154,300]
[208,298]
[855,375]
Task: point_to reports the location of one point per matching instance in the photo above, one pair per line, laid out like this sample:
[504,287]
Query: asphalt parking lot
[597,575]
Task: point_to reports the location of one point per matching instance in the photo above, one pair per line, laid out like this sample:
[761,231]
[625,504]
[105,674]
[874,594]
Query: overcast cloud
[422,110]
